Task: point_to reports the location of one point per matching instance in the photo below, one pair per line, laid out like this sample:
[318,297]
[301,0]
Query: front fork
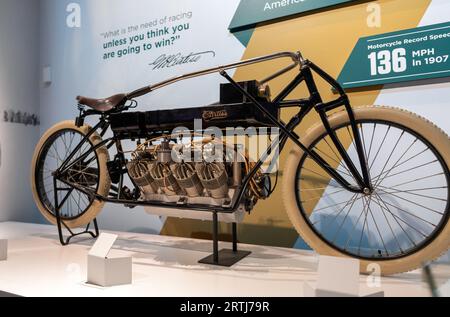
[362,179]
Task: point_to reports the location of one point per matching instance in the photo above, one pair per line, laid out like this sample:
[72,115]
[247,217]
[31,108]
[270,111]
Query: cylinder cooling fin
[196,172]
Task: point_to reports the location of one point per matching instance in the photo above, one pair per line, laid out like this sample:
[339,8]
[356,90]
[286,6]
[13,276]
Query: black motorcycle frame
[305,105]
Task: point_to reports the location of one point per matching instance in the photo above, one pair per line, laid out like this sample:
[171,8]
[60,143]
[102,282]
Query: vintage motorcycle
[370,182]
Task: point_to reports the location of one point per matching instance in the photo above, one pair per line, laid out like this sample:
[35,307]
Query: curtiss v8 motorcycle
[368,182]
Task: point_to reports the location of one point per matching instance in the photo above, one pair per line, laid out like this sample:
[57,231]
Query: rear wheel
[403,222]
[77,209]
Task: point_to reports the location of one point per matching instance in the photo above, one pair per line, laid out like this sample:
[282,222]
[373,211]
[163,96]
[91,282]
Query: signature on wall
[167,61]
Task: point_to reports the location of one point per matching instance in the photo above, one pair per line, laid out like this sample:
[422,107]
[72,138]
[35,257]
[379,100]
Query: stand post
[57,211]
[97,232]
[224,257]
[234,232]
[215,237]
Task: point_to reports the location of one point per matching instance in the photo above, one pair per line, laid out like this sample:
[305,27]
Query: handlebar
[296,58]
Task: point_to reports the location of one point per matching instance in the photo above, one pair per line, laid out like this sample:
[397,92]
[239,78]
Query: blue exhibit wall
[19,106]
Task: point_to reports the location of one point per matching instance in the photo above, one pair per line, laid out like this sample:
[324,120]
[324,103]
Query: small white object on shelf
[338,277]
[107,267]
[3,249]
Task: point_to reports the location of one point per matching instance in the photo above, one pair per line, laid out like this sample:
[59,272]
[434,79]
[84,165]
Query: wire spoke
[313,189]
[378,201]
[402,163]
[364,225]
[380,179]
[343,221]
[411,169]
[339,164]
[371,142]
[334,205]
[417,179]
[376,226]
[389,157]
[412,202]
[326,195]
[379,148]
[351,201]
[410,192]
[338,159]
[409,213]
[390,227]
[333,213]
[353,229]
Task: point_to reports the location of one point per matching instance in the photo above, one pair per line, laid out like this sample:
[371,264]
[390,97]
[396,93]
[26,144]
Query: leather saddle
[102,105]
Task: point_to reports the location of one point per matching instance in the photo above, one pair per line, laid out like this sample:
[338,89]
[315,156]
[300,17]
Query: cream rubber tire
[433,134]
[104,181]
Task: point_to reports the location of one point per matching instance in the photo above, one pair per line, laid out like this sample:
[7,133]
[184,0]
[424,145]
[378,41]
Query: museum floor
[38,265]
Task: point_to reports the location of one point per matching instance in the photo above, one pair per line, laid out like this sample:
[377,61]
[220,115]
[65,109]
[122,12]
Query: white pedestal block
[108,267]
[3,249]
[338,277]
[109,271]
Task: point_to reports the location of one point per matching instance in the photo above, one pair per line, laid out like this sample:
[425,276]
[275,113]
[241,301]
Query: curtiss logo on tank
[214,115]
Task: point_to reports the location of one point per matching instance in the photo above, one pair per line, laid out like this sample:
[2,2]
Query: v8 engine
[193,174]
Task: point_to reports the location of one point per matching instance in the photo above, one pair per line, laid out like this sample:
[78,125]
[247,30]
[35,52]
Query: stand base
[60,222]
[66,240]
[226,257]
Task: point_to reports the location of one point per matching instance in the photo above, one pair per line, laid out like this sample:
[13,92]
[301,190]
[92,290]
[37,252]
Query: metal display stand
[429,279]
[60,223]
[224,257]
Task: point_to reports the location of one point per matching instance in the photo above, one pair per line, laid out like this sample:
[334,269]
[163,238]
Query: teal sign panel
[251,12]
[414,54]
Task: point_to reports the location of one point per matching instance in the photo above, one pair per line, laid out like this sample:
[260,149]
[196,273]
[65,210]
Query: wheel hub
[367,191]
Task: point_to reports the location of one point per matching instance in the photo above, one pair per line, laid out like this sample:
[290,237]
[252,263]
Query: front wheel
[76,208]
[403,222]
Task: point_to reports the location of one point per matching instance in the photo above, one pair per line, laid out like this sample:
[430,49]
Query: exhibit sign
[413,54]
[251,12]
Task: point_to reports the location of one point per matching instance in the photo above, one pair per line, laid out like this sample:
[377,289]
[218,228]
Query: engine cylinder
[214,178]
[140,173]
[163,176]
[187,178]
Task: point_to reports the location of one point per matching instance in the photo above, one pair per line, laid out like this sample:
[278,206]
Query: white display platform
[38,265]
